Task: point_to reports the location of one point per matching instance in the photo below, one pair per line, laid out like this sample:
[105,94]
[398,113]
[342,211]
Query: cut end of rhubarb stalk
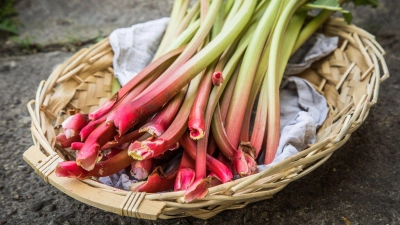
[184,179]
[217,78]
[240,163]
[154,129]
[66,142]
[87,156]
[174,147]
[251,164]
[139,173]
[75,122]
[138,151]
[140,169]
[70,169]
[196,132]
[122,119]
[103,109]
[246,147]
[198,190]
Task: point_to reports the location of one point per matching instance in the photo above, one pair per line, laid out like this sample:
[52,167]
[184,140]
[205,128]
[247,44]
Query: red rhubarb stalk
[219,169]
[150,70]
[159,180]
[66,142]
[101,169]
[163,119]
[129,137]
[73,124]
[140,150]
[242,162]
[186,174]
[141,169]
[196,116]
[86,157]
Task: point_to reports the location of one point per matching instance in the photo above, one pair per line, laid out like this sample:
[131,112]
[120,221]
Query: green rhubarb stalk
[188,18]
[310,28]
[173,24]
[199,37]
[115,85]
[274,76]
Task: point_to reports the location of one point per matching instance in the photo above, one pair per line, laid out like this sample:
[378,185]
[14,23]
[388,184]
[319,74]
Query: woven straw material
[349,78]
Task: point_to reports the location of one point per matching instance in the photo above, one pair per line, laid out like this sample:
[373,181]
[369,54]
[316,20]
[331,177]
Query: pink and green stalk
[140,150]
[141,169]
[196,116]
[247,72]
[218,90]
[186,174]
[212,164]
[260,124]
[101,169]
[199,38]
[73,124]
[275,73]
[227,95]
[164,88]
[163,119]
[243,163]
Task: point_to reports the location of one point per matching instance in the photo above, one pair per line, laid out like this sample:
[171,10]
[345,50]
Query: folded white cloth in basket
[303,109]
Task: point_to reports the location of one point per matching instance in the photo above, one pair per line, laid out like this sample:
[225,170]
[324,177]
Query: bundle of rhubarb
[184,122]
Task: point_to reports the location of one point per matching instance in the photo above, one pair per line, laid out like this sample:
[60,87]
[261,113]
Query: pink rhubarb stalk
[151,70]
[219,169]
[129,137]
[243,163]
[163,119]
[196,116]
[158,180]
[140,150]
[101,169]
[186,174]
[73,124]
[86,157]
[141,169]
[66,142]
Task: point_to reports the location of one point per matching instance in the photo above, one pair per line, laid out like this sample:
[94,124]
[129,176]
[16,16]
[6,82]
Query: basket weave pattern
[349,79]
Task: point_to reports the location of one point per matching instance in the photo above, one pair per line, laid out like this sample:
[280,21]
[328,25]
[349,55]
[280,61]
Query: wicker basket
[349,79]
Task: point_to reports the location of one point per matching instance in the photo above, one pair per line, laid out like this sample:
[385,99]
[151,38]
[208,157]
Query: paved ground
[359,182]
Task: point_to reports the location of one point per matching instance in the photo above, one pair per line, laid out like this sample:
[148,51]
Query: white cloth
[303,109]
[135,46]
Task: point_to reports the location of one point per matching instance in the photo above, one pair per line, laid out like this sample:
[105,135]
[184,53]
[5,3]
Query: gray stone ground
[359,182]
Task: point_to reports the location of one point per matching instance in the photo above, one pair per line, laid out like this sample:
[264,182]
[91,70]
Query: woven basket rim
[231,195]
